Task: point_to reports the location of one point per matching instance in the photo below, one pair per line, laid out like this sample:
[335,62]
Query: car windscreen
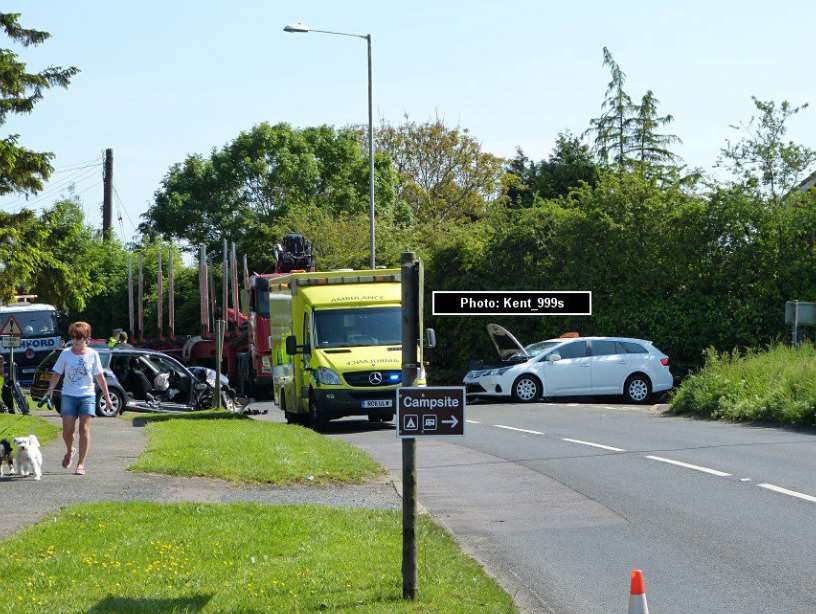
[33,323]
[536,349]
[358,327]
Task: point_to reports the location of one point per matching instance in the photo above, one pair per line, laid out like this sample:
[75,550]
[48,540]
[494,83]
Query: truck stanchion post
[219,354]
[409,276]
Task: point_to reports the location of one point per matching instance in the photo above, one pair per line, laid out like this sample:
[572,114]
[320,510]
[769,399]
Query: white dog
[29,457]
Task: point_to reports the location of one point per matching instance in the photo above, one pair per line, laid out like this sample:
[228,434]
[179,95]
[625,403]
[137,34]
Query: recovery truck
[38,324]
[244,307]
[335,340]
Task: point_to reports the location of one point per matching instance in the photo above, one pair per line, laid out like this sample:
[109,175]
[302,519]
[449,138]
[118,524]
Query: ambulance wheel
[317,421]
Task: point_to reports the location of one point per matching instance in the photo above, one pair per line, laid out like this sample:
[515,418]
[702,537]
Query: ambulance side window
[307,336]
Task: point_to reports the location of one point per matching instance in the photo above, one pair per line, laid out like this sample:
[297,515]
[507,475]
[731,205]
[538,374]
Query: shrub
[778,385]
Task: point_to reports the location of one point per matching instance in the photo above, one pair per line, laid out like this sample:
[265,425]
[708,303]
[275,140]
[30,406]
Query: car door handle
[621,362]
[586,365]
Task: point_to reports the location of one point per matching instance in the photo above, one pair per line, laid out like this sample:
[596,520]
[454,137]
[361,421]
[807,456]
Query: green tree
[443,172]
[23,170]
[762,159]
[569,164]
[21,242]
[260,176]
[651,148]
[613,130]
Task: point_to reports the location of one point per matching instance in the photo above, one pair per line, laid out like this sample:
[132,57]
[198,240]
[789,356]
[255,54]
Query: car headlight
[327,376]
[500,371]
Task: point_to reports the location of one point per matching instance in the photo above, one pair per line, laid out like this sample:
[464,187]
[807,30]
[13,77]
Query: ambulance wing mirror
[291,345]
[430,338]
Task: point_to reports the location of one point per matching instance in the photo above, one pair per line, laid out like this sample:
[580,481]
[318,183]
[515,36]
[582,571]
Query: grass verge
[16,425]
[146,557]
[777,385]
[236,448]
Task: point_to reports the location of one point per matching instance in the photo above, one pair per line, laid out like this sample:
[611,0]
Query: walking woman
[81,366]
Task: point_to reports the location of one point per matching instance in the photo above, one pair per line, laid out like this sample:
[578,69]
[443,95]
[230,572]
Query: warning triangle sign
[11,327]
[410,425]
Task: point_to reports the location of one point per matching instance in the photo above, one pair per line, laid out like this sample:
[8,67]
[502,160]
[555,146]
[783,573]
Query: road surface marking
[745,479]
[472,421]
[572,404]
[721,474]
[785,491]
[594,445]
[513,428]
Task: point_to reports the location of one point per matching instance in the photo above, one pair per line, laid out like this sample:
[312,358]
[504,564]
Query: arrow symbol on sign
[453,422]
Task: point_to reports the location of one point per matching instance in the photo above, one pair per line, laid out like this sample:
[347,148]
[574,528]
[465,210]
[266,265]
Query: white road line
[785,491]
[594,445]
[472,421]
[721,474]
[513,428]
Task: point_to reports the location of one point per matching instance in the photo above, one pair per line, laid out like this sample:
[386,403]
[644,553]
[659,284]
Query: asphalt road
[561,501]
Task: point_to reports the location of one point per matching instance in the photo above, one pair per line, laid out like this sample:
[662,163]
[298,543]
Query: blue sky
[161,80]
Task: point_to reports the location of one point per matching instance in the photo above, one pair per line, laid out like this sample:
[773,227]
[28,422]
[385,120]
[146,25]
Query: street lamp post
[300,28]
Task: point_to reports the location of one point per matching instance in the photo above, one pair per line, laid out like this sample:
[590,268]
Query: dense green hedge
[778,385]
[686,271]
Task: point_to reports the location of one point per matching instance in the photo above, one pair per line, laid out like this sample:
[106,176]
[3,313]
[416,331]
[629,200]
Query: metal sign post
[410,336]
[11,333]
[219,354]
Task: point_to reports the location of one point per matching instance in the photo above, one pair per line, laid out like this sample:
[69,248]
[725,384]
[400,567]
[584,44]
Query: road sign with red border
[11,327]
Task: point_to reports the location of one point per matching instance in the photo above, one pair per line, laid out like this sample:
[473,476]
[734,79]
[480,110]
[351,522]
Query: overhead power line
[52,189]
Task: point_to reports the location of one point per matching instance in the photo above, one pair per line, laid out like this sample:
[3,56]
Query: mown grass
[146,557]
[17,425]
[777,385]
[236,448]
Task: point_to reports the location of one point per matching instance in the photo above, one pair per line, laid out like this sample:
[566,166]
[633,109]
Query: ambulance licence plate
[377,403]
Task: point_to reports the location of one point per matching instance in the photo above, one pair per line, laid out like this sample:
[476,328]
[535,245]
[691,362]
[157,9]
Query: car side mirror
[430,338]
[291,345]
[553,357]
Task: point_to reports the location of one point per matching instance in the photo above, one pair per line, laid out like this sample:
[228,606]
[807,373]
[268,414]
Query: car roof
[135,350]
[566,339]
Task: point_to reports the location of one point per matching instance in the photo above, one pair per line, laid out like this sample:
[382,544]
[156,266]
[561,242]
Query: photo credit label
[512,303]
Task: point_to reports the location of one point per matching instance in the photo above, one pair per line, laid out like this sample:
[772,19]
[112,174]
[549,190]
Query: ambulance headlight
[327,376]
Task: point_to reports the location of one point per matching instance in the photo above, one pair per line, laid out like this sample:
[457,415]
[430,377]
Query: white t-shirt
[79,371]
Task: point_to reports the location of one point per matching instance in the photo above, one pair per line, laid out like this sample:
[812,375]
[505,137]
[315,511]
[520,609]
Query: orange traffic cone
[637,594]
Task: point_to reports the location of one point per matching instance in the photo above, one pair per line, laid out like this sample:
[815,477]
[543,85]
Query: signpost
[421,412]
[11,333]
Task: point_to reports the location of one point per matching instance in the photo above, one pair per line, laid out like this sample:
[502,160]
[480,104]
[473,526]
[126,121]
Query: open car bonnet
[506,344]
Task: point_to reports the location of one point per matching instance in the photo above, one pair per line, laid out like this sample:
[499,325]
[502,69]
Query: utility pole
[107,202]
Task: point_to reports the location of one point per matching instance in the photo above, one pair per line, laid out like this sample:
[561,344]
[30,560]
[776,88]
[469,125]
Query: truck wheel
[316,420]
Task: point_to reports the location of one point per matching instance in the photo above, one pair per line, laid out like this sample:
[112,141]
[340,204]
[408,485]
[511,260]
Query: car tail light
[664,362]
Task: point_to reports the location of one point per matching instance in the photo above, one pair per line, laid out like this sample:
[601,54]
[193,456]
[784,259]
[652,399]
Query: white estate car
[572,367]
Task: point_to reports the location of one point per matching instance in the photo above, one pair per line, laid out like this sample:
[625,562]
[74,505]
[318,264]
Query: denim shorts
[77,406]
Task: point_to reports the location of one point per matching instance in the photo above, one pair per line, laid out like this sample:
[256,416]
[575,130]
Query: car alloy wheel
[102,408]
[637,389]
[526,389]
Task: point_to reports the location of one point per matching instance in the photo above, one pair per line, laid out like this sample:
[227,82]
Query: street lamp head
[297,28]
